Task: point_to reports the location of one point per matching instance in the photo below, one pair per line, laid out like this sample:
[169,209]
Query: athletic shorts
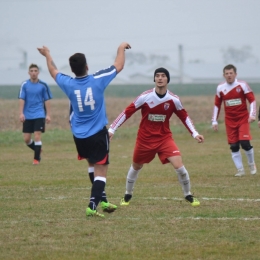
[237,133]
[34,125]
[94,148]
[145,154]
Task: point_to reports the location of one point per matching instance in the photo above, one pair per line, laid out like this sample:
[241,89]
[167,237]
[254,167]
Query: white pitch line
[203,198]
[192,218]
[114,217]
[238,199]
[142,198]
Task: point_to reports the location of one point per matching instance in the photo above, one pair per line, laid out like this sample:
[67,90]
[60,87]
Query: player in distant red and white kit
[154,135]
[234,94]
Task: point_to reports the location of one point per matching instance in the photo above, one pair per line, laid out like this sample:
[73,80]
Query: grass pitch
[42,208]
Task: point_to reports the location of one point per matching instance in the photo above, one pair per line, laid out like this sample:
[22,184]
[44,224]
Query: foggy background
[193,39]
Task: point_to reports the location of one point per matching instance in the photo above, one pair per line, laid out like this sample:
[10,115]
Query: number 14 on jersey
[88,100]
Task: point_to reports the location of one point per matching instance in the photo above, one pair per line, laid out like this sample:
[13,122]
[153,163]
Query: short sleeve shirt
[86,95]
[34,96]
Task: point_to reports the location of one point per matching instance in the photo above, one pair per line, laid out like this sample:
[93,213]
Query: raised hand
[44,50]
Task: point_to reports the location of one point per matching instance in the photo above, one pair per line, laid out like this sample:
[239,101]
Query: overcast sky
[97,27]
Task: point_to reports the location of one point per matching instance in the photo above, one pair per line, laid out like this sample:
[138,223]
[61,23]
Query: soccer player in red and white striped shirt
[235,94]
[154,135]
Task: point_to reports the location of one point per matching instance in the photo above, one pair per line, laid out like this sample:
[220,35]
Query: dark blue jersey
[34,96]
[86,95]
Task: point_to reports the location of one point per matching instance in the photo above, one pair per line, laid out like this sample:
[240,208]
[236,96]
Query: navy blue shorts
[34,125]
[94,148]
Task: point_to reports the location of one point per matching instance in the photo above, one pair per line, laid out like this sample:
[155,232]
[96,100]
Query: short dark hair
[78,64]
[33,66]
[230,67]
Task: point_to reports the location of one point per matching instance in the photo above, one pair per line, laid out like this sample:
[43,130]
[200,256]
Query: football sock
[31,144]
[96,192]
[131,179]
[237,159]
[104,197]
[91,177]
[184,180]
[250,156]
[37,150]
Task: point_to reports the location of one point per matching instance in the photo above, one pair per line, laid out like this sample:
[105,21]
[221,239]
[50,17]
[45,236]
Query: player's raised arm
[120,57]
[50,63]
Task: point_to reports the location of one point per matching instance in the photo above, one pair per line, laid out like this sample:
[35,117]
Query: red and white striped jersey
[156,113]
[234,97]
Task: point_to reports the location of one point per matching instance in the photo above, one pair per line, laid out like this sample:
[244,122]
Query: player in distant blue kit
[34,108]
[88,119]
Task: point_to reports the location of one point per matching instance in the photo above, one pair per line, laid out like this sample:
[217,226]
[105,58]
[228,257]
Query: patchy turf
[42,212]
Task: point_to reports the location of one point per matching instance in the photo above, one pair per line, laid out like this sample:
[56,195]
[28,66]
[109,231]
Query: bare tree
[237,55]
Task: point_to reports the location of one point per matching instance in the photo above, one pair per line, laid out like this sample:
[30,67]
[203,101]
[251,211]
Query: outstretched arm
[120,57]
[184,117]
[50,64]
[127,113]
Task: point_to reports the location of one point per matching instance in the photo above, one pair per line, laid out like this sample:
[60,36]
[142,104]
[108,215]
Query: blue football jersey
[34,95]
[86,95]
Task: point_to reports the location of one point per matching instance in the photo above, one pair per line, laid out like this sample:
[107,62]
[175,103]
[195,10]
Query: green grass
[42,212]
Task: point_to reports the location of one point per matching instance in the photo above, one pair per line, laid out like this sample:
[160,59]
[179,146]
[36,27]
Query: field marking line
[194,218]
[202,198]
[140,198]
[132,218]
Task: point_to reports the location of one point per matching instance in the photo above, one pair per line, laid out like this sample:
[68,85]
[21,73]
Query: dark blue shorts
[34,125]
[94,148]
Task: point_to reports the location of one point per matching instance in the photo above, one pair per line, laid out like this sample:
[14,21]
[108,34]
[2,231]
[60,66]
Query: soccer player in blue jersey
[88,119]
[107,206]
[34,108]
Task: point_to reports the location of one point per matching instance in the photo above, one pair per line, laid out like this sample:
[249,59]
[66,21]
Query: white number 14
[88,101]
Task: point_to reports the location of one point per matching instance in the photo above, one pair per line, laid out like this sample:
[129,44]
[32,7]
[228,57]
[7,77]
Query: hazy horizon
[96,28]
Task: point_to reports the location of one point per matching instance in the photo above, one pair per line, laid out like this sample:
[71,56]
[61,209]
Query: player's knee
[234,147]
[27,140]
[137,166]
[245,144]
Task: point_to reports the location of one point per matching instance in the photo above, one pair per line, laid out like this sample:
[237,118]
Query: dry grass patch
[199,109]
